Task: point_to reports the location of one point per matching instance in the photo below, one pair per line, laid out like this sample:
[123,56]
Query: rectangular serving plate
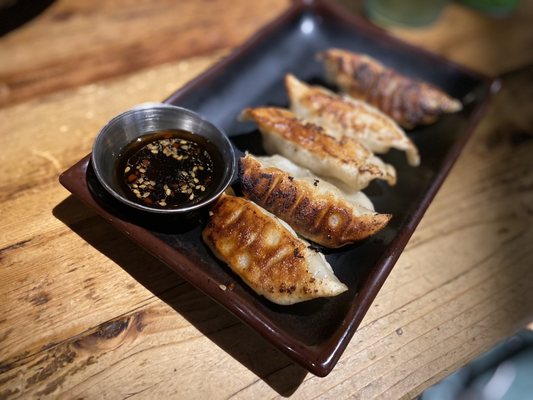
[314,333]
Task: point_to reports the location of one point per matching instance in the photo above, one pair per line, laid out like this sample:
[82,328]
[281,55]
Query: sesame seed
[188,183]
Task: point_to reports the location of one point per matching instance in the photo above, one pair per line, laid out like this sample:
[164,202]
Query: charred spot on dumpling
[297,253]
[254,184]
[287,289]
[283,196]
[306,212]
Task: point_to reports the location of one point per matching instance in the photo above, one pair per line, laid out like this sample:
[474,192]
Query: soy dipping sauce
[169,169]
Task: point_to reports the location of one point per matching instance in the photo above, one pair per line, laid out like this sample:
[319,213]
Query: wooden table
[84,313]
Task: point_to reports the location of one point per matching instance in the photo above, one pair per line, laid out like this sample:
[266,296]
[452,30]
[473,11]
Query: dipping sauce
[169,169]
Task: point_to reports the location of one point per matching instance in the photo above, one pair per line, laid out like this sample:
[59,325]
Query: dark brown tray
[313,333]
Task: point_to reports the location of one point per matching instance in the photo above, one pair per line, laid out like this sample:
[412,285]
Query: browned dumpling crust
[267,254]
[312,147]
[315,212]
[408,101]
[346,116]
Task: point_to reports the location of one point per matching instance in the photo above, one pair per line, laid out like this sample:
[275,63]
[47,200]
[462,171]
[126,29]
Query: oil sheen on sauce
[169,169]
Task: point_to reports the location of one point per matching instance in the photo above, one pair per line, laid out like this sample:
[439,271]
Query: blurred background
[47,45]
[504,372]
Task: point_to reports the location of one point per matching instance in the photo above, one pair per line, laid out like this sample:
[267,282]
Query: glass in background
[409,13]
[496,8]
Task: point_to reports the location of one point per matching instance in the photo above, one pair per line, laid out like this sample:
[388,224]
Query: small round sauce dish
[163,159]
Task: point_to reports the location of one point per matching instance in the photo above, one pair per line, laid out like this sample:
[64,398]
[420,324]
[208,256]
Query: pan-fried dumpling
[351,195]
[345,116]
[311,146]
[408,101]
[314,208]
[267,254]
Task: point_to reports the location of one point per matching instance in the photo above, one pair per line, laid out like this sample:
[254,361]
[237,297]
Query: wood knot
[111,329]
[39,299]
[112,334]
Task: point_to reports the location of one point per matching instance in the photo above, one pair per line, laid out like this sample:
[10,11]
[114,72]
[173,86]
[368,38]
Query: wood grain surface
[84,313]
[77,42]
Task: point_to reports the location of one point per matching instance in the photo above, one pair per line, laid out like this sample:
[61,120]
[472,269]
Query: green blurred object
[497,8]
[413,13]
